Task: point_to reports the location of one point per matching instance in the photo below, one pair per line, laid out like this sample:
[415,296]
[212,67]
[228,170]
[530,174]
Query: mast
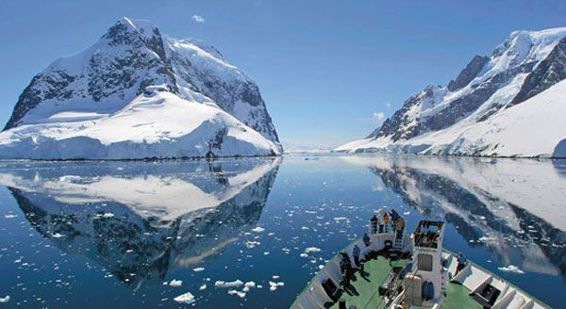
[425,285]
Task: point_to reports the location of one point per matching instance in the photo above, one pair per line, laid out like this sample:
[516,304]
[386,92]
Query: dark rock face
[131,59]
[549,72]
[29,99]
[399,125]
[468,73]
[465,105]
[226,93]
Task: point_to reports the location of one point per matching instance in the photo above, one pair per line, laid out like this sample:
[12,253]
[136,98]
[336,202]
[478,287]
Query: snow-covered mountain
[509,104]
[137,93]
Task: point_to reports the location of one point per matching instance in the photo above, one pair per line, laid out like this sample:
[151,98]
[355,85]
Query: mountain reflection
[514,208]
[138,219]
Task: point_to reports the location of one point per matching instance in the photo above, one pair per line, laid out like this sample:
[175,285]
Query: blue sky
[325,68]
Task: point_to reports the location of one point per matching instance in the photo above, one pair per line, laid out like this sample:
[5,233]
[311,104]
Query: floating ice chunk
[10,216]
[487,239]
[230,284]
[249,284]
[274,285]
[237,293]
[406,213]
[258,229]
[275,276]
[511,269]
[250,244]
[186,298]
[175,283]
[202,287]
[4,300]
[340,218]
[107,215]
[312,250]
[56,235]
[198,269]
[304,255]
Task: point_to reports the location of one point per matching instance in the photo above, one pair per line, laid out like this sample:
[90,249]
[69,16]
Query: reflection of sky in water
[113,233]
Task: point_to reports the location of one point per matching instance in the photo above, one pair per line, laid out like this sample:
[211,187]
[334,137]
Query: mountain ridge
[523,67]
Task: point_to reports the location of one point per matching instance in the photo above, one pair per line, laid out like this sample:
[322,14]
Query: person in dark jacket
[366,239]
[346,269]
[373,223]
[356,254]
[461,263]
[399,227]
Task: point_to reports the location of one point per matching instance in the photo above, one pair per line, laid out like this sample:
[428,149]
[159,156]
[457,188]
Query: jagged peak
[142,26]
[128,31]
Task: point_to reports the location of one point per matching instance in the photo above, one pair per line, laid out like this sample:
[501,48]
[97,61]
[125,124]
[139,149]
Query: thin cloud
[198,19]
[388,104]
[379,117]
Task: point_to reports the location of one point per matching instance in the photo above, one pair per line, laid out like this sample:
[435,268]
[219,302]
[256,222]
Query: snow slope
[536,127]
[91,105]
[162,125]
[504,105]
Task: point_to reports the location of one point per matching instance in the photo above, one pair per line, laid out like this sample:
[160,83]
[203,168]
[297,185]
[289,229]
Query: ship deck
[364,291]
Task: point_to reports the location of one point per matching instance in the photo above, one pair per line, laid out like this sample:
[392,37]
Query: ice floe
[229,284]
[237,293]
[273,286]
[511,269]
[175,283]
[312,250]
[186,298]
[258,229]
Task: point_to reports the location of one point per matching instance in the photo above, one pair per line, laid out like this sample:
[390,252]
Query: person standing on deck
[461,263]
[356,254]
[373,223]
[385,221]
[366,240]
[394,215]
[399,227]
[346,269]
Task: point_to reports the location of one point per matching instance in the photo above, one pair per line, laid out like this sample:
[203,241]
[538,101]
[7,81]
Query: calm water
[94,234]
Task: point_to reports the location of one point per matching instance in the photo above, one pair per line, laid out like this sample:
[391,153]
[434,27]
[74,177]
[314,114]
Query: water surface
[96,234]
